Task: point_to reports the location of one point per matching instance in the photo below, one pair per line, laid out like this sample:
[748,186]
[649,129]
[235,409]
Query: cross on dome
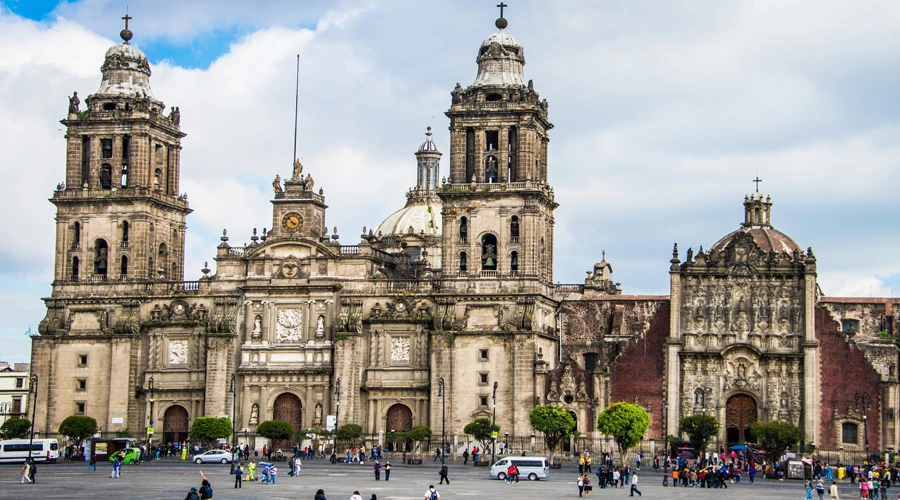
[757,181]
[501,22]
[126,33]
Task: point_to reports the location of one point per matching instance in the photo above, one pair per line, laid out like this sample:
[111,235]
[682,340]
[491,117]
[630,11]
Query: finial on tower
[126,33]
[501,22]
[757,181]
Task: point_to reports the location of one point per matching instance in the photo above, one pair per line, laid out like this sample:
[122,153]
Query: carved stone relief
[400,349]
[178,352]
[289,325]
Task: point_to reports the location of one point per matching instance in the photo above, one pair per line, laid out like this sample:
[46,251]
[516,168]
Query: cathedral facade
[444,313]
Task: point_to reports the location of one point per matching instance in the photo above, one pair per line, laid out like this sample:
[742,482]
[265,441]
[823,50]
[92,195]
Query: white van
[533,468]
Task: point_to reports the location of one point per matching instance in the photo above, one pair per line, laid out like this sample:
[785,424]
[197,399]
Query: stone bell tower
[119,213]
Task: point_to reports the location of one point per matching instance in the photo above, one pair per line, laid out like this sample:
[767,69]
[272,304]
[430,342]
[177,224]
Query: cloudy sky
[664,112]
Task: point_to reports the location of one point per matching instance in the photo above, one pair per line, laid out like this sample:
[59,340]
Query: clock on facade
[291,222]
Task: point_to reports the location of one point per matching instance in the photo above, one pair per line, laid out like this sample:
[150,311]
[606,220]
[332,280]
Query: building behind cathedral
[455,288]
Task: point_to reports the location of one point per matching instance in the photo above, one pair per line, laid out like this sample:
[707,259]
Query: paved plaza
[172,480]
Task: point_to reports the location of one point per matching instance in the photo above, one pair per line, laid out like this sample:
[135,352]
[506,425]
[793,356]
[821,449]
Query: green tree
[555,422]
[700,429]
[275,430]
[626,423]
[417,434]
[209,429]
[481,430]
[775,437]
[78,428]
[15,428]
[349,432]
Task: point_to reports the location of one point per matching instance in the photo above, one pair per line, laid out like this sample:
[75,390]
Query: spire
[428,162]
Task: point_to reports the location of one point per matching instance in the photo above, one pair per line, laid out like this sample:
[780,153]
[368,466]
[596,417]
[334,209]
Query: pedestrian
[580,484]
[92,464]
[251,470]
[273,471]
[387,470]
[443,474]
[509,473]
[297,465]
[192,494]
[32,471]
[238,476]
[355,496]
[206,490]
[116,465]
[26,472]
[809,489]
[466,456]
[376,468]
[432,494]
[587,486]
[374,497]
[320,495]
[833,491]
[581,464]
[634,483]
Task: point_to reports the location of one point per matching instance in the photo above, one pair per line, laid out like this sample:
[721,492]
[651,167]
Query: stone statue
[257,326]
[175,115]
[276,184]
[456,94]
[298,170]
[318,415]
[320,326]
[254,414]
[74,102]
[309,182]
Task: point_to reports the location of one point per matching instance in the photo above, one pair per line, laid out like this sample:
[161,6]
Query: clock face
[292,222]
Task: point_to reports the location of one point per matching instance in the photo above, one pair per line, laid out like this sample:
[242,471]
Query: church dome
[501,60]
[428,146]
[126,71]
[758,224]
[422,216]
[503,39]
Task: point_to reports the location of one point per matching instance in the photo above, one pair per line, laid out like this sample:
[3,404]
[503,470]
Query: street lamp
[233,393]
[150,427]
[33,390]
[493,424]
[337,411]
[506,446]
[443,414]
[666,442]
[864,401]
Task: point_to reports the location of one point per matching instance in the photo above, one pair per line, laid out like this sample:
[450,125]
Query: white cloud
[664,111]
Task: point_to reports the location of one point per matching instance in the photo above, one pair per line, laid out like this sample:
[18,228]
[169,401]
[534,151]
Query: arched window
[491,171]
[150,270]
[514,228]
[756,216]
[106,176]
[75,266]
[125,230]
[124,268]
[157,178]
[463,230]
[514,262]
[700,398]
[463,261]
[101,254]
[489,252]
[163,258]
[76,234]
[124,179]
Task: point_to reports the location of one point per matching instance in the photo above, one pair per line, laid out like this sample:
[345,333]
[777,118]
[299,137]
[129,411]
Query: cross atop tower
[126,33]
[757,181]
[127,18]
[502,6]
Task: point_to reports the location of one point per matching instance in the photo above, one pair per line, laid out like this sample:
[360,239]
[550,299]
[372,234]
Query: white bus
[16,450]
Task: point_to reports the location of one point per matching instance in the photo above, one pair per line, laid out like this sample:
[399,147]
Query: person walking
[443,474]
[26,472]
[206,490]
[809,489]
[32,471]
[634,483]
[320,495]
[587,485]
[238,476]
[355,496]
[432,494]
[514,473]
[92,464]
[466,456]
[376,468]
[192,494]
[580,484]
[833,491]
[387,470]
[117,464]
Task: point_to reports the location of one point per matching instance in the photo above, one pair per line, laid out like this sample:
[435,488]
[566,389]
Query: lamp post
[337,411]
[443,414]
[506,446]
[233,392]
[493,424]
[32,390]
[863,400]
[666,442]
[150,427]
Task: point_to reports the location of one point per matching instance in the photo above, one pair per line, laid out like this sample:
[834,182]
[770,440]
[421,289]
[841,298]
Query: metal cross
[757,181]
[502,5]
[127,18]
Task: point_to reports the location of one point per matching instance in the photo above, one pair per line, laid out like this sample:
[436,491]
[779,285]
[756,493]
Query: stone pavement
[172,480]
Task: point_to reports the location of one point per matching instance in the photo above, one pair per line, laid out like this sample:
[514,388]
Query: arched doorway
[399,419]
[288,408]
[740,413]
[176,424]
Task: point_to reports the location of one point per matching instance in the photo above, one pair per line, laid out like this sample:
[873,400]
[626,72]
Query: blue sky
[664,112]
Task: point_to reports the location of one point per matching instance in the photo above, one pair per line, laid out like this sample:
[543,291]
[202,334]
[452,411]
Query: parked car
[533,468]
[214,456]
[126,455]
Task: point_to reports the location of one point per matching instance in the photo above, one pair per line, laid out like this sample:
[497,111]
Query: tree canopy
[481,429]
[349,432]
[626,423]
[15,428]
[555,422]
[275,430]
[775,437]
[78,428]
[700,429]
[209,429]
